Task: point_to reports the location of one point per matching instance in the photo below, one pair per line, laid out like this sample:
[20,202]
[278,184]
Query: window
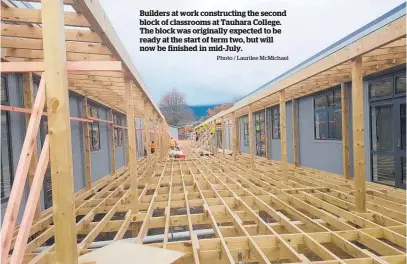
[259,119]
[118,131]
[381,88]
[401,84]
[94,131]
[246,131]
[275,123]
[328,115]
[6,160]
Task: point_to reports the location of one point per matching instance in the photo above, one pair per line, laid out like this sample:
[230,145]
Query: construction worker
[172,144]
[152,146]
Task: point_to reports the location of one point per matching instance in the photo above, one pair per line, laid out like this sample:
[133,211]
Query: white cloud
[309,27]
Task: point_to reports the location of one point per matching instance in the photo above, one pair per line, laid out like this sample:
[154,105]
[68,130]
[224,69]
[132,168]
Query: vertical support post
[112,143]
[358,129]
[128,149]
[238,134]
[86,144]
[158,139]
[345,129]
[234,136]
[28,88]
[251,138]
[223,136]
[266,134]
[147,136]
[59,130]
[216,138]
[230,131]
[131,145]
[295,130]
[283,136]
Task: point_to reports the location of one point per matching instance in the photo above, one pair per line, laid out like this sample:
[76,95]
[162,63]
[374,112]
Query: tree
[174,107]
[217,109]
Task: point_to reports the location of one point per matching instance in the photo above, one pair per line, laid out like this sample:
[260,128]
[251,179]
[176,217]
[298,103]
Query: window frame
[327,109]
[246,136]
[10,148]
[117,131]
[93,127]
[392,76]
[277,119]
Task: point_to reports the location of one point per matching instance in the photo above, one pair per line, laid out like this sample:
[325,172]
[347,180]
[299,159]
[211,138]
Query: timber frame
[214,209]
[290,189]
[79,52]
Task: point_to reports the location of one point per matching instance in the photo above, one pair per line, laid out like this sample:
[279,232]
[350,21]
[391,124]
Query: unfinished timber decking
[250,216]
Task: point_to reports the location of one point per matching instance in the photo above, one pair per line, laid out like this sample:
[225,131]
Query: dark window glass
[259,134]
[327,115]
[219,138]
[6,169]
[6,160]
[381,88]
[118,131]
[4,94]
[382,128]
[275,123]
[403,126]
[401,84]
[246,132]
[94,132]
[403,169]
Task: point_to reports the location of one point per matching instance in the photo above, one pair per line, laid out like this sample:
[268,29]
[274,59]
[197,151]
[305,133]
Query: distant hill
[200,110]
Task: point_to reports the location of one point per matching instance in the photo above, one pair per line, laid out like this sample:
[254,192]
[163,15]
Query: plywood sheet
[124,252]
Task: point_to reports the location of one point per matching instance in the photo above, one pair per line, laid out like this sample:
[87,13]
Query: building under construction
[309,167]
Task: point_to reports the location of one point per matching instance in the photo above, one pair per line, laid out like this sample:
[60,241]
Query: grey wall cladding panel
[289,130]
[325,154]
[274,144]
[17,131]
[100,159]
[75,107]
[139,123]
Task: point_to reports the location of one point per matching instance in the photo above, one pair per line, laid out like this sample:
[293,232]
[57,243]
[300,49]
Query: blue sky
[310,26]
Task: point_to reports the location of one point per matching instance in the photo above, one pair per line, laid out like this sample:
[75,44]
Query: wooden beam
[10,54]
[29,111]
[381,37]
[251,138]
[15,67]
[86,144]
[147,136]
[112,143]
[71,46]
[28,88]
[283,136]
[32,203]
[234,135]
[55,66]
[20,177]
[131,145]
[358,129]
[295,131]
[30,15]
[95,14]
[223,136]
[345,129]
[28,31]
[215,139]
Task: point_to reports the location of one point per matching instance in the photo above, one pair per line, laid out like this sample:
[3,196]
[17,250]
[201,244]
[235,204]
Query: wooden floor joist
[216,210]
[213,208]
